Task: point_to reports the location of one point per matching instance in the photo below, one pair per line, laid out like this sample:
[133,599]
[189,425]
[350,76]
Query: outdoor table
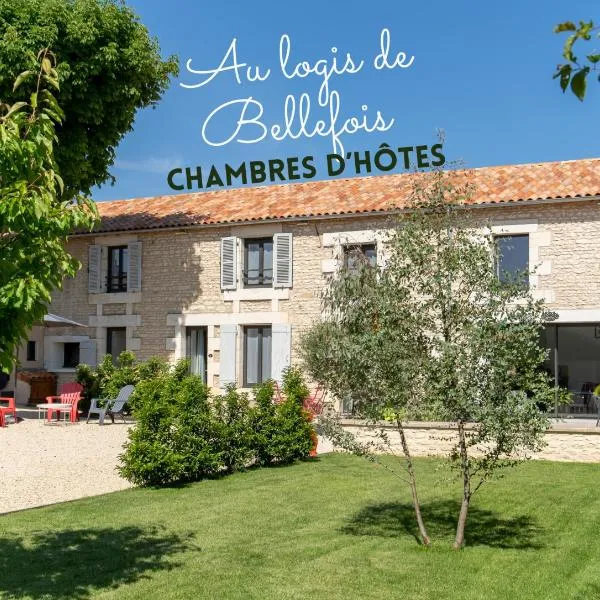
[44,407]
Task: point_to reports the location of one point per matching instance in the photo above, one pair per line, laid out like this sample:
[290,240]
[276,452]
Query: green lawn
[337,528]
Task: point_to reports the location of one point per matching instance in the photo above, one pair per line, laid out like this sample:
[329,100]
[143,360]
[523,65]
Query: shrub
[283,432]
[107,379]
[232,413]
[176,437]
[183,434]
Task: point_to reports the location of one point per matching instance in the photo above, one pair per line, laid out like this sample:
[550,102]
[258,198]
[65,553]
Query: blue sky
[482,72]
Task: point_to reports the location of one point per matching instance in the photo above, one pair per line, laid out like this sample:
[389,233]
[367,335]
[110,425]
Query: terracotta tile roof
[496,185]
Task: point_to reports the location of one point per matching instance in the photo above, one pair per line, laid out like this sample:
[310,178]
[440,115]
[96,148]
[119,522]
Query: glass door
[195,345]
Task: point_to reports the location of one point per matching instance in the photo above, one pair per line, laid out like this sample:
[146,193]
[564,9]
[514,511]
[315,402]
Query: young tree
[34,220]
[438,334]
[109,68]
[367,350]
[483,359]
[575,71]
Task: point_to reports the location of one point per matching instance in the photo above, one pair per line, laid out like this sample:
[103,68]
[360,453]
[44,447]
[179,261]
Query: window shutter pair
[134,274]
[282,262]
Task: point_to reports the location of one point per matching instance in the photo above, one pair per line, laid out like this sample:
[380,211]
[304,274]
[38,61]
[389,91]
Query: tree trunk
[459,540]
[413,487]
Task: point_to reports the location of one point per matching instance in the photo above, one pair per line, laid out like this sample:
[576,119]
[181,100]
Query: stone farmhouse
[231,278]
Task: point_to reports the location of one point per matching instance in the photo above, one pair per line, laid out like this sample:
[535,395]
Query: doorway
[195,350]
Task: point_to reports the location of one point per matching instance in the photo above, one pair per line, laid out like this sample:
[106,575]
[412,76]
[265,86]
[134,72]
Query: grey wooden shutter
[134,273]
[87,353]
[228,263]
[281,349]
[94,269]
[282,260]
[228,353]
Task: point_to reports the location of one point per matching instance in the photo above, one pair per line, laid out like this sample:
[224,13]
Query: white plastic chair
[111,407]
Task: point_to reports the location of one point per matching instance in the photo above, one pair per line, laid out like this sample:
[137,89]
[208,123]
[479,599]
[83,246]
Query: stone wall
[181,274]
[564,442]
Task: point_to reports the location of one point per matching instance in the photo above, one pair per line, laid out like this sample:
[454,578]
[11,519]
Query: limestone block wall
[564,443]
[181,274]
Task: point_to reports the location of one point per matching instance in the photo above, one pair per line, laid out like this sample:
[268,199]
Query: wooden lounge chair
[110,407]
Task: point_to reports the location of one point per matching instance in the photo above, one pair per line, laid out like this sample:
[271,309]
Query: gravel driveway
[42,464]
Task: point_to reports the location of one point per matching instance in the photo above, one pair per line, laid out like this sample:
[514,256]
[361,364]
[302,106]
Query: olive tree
[367,350]
[437,334]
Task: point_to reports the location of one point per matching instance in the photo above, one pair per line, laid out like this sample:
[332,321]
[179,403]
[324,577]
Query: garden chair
[11,409]
[70,393]
[65,388]
[314,403]
[72,399]
[110,407]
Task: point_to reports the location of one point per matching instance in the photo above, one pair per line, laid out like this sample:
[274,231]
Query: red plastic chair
[70,394]
[72,399]
[65,388]
[314,403]
[7,410]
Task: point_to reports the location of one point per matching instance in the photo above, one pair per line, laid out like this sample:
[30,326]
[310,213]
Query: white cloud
[149,165]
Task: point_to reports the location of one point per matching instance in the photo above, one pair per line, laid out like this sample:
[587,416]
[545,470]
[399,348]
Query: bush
[107,379]
[283,432]
[183,434]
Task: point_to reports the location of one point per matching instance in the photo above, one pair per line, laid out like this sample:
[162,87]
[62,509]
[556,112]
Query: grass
[337,528]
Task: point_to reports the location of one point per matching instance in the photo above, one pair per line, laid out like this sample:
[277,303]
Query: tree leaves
[579,83]
[572,72]
[34,221]
[109,65]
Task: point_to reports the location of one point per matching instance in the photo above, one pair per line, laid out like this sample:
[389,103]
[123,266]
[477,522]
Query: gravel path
[42,464]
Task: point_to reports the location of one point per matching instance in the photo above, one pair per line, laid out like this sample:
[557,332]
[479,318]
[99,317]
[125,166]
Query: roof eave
[346,215]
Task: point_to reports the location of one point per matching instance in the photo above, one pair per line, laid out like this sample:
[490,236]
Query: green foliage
[183,434]
[236,443]
[575,72]
[107,379]
[435,334]
[34,220]
[109,67]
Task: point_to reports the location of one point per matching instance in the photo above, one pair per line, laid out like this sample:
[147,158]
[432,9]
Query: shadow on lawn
[76,563]
[484,527]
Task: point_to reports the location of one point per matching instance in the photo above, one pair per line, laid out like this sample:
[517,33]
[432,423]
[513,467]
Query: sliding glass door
[574,362]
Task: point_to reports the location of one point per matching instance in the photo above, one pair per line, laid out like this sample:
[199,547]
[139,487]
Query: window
[195,346]
[116,341]
[357,254]
[257,355]
[258,262]
[70,355]
[118,265]
[513,258]
[31,350]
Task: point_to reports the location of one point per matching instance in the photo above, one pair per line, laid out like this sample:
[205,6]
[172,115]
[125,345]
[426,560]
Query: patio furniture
[56,407]
[314,403]
[70,396]
[66,388]
[11,409]
[110,407]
